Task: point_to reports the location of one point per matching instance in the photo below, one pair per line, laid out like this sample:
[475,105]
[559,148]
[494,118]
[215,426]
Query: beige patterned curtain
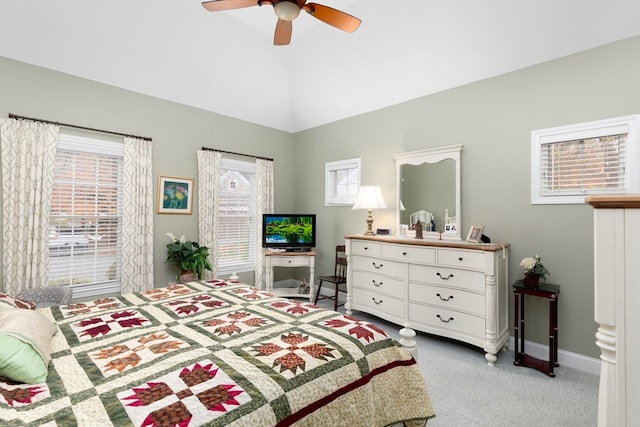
[28,151]
[264,204]
[208,173]
[137,217]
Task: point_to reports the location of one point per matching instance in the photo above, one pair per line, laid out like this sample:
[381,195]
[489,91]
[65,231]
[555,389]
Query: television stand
[290,259]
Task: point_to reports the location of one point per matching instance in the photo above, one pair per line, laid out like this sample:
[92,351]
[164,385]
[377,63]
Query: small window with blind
[86,215]
[342,181]
[236,217]
[571,162]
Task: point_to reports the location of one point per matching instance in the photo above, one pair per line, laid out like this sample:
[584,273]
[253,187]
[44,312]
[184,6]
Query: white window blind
[86,213]
[584,166]
[236,217]
[342,181]
[573,161]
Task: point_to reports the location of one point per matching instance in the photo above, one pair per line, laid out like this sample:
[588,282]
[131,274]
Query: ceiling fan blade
[334,17]
[216,5]
[282,35]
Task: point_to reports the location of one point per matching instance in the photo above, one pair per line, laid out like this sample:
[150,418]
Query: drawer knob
[444,299]
[459,258]
[366,248]
[444,321]
[444,278]
[404,253]
[376,301]
[376,284]
[378,266]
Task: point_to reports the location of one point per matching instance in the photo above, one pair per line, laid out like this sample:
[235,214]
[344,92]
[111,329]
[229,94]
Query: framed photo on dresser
[475,233]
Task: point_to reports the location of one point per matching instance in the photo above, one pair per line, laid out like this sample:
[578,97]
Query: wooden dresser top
[614,201]
[458,244]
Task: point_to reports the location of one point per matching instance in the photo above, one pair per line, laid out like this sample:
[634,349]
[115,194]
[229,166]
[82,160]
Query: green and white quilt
[216,353]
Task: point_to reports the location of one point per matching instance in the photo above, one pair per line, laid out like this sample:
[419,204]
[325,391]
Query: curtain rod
[237,154]
[17,117]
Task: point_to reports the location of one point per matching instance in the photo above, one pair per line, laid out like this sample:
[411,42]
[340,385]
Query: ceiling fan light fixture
[287,10]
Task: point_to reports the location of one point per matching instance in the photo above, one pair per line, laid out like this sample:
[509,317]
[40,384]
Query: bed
[215,353]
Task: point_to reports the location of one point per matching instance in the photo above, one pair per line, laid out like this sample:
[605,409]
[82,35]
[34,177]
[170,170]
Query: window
[236,217]
[342,181]
[86,214]
[570,162]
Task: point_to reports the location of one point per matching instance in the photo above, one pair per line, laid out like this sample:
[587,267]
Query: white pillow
[25,339]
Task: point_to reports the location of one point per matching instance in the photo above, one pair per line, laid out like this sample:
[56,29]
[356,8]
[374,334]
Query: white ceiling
[225,62]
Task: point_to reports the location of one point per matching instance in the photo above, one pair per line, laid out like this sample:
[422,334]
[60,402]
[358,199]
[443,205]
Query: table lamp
[369,197]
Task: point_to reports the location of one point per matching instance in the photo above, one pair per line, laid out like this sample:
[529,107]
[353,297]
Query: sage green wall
[493,119]
[178,132]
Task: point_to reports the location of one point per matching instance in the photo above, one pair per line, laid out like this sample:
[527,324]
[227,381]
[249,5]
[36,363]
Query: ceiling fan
[287,11]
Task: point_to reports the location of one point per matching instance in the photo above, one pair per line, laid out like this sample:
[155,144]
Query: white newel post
[616,296]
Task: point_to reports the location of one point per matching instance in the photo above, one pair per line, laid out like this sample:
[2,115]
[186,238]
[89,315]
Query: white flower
[175,240]
[533,265]
[528,263]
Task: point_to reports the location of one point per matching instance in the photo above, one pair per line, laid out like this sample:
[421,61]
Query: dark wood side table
[550,292]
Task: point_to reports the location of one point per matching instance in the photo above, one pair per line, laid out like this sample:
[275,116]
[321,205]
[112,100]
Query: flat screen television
[292,232]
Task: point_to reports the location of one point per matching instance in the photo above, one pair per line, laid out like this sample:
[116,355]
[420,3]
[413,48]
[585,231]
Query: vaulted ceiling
[225,62]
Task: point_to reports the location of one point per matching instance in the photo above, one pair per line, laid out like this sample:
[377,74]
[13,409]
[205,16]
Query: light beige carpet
[465,392]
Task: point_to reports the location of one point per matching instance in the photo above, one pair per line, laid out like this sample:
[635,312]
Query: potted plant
[188,257]
[534,270]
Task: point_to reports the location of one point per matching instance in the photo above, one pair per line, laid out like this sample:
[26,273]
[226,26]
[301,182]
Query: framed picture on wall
[175,195]
[475,233]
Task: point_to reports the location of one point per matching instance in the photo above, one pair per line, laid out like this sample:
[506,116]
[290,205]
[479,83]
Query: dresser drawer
[448,298]
[379,266]
[408,253]
[447,319]
[373,302]
[462,259]
[447,277]
[360,247]
[289,261]
[378,283]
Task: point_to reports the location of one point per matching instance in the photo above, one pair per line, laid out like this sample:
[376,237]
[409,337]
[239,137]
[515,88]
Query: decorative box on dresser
[448,288]
[617,295]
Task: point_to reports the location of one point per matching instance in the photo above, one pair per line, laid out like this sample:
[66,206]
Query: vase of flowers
[534,271]
[188,257]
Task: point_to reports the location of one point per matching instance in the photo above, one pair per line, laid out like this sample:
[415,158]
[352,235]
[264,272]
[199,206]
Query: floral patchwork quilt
[217,353]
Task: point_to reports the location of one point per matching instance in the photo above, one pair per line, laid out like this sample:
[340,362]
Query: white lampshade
[287,10]
[369,197]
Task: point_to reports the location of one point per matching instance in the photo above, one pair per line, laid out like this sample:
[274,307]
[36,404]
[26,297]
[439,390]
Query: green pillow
[25,338]
[20,362]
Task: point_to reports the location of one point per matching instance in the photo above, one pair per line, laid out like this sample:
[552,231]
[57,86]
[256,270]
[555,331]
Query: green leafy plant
[533,265]
[187,256]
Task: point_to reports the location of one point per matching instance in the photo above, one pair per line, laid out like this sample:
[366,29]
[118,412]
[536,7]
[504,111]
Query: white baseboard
[565,358]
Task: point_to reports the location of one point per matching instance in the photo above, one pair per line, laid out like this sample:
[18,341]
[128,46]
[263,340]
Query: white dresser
[617,294]
[453,289]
